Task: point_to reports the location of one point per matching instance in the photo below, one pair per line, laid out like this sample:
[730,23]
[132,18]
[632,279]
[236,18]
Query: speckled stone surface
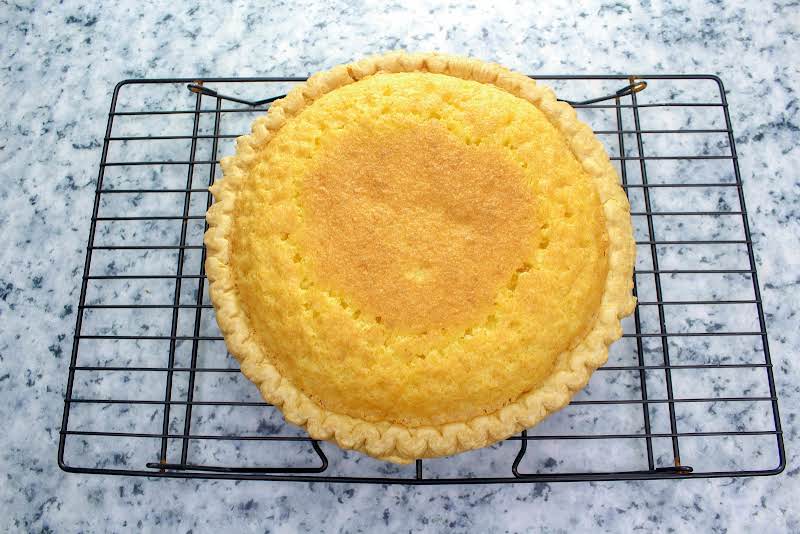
[61,65]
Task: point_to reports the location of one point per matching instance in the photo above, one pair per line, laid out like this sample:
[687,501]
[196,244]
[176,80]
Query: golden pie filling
[416,255]
[417,249]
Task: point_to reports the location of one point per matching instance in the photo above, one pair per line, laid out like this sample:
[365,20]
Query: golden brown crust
[396,442]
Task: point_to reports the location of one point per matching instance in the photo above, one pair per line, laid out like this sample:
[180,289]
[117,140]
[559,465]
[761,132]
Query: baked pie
[416,255]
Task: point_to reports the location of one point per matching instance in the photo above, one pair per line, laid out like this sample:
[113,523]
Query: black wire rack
[688,391]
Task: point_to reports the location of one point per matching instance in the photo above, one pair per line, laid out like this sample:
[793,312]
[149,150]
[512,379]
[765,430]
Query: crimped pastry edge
[391,441]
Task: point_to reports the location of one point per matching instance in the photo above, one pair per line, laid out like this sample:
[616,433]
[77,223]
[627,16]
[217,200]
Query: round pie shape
[416,255]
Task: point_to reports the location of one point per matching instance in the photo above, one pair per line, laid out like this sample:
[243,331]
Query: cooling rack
[688,391]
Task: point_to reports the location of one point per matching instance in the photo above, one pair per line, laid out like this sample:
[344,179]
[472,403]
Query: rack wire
[688,392]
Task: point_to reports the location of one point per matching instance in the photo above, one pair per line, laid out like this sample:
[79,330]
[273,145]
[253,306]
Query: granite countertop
[62,64]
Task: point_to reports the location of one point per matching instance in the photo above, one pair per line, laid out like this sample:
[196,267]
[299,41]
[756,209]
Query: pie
[416,255]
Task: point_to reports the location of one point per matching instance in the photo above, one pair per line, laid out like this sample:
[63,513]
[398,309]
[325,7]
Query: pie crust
[376,341]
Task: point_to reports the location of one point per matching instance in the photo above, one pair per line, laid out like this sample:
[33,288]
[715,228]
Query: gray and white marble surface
[62,62]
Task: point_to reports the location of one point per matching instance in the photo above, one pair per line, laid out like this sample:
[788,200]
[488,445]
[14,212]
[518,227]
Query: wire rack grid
[688,391]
